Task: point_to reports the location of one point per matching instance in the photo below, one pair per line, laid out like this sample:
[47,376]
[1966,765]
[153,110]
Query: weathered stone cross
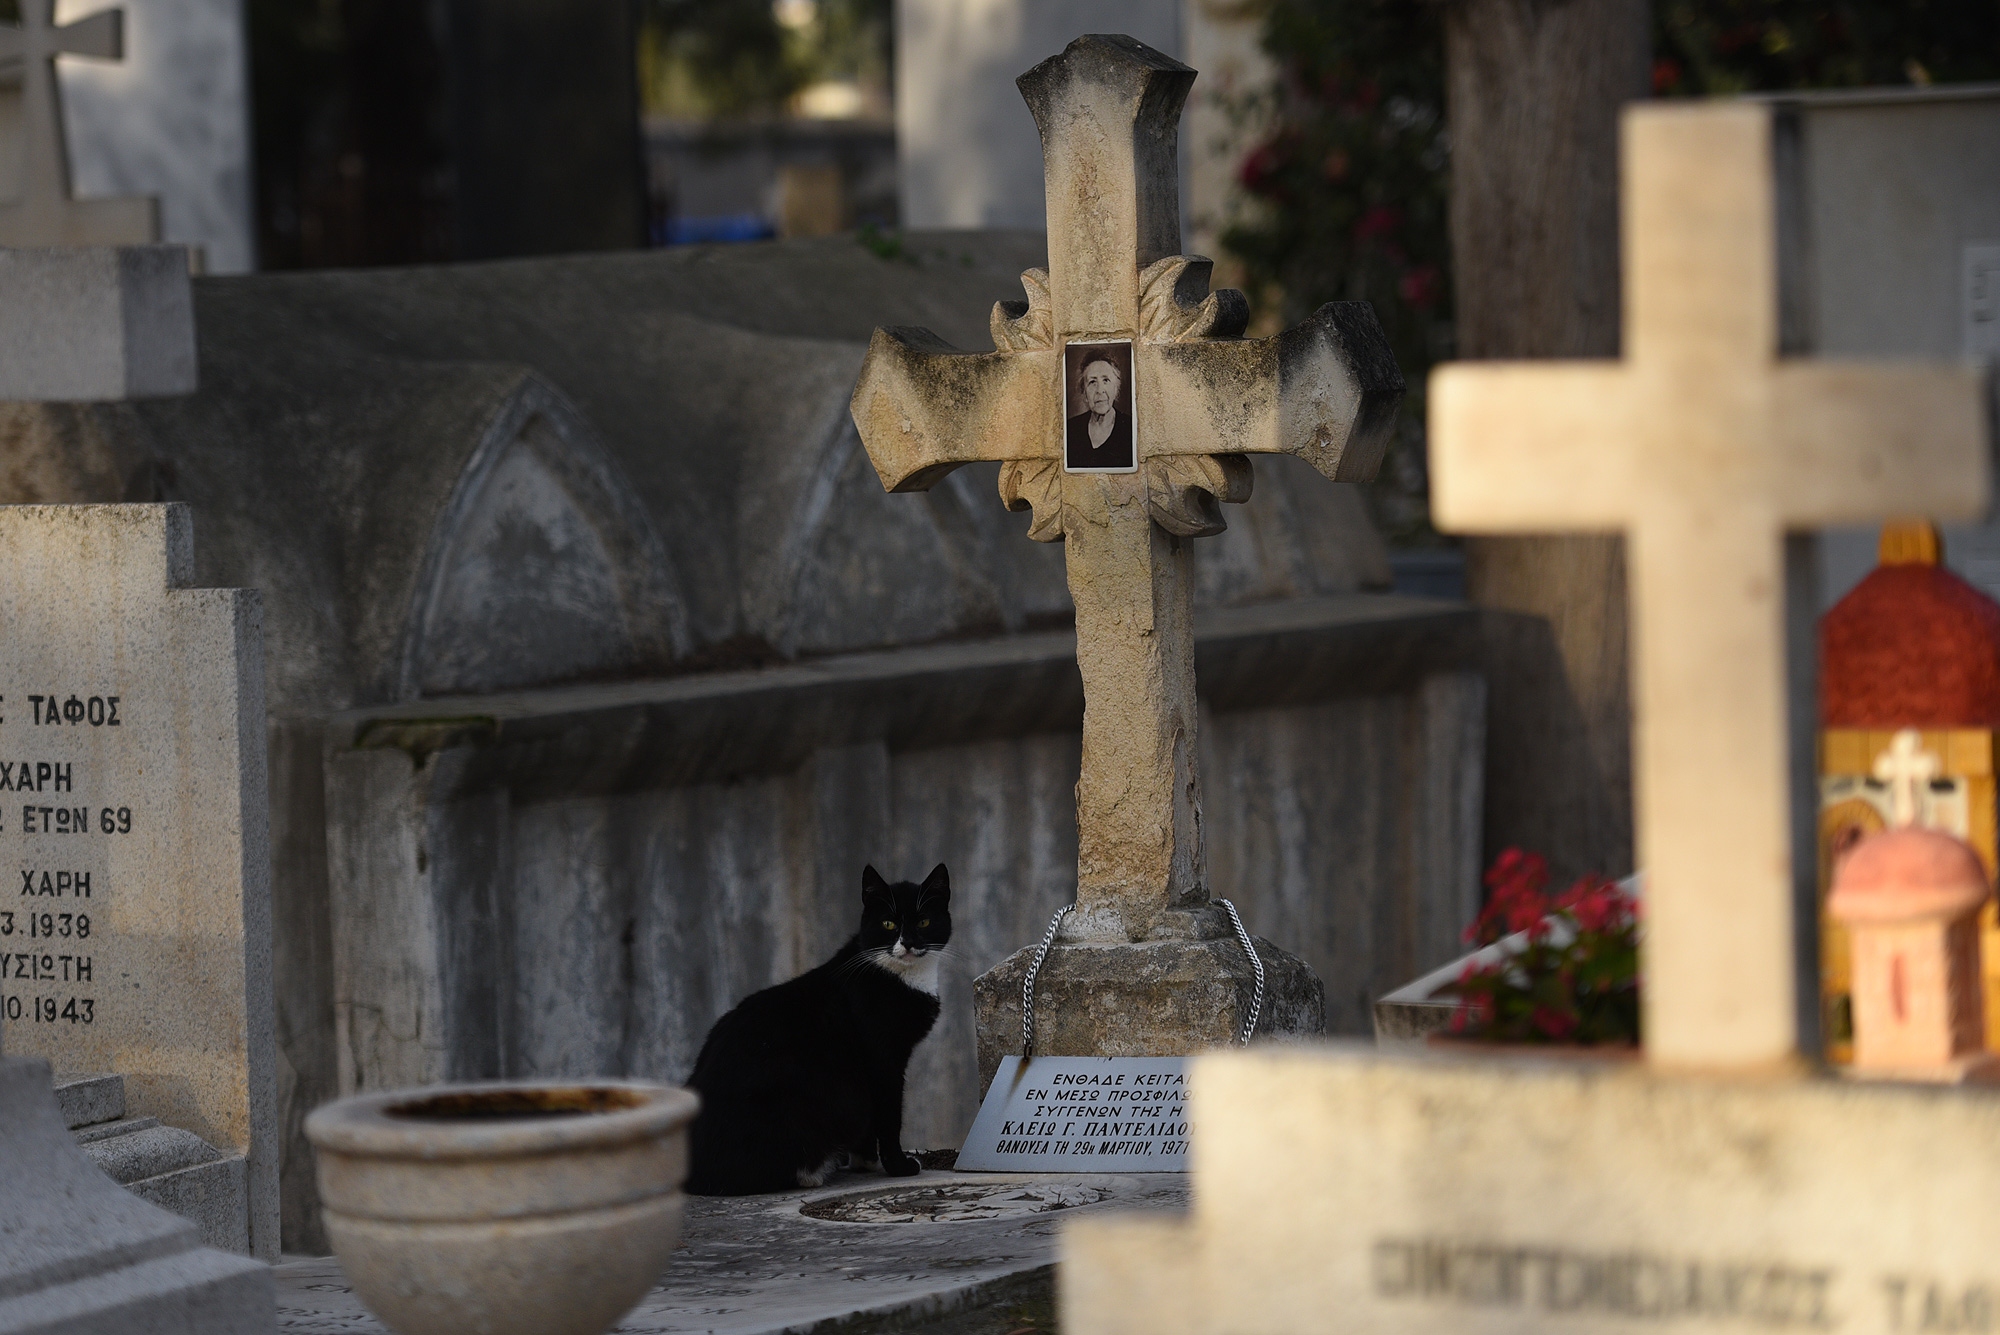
[1705,447]
[1202,397]
[46,214]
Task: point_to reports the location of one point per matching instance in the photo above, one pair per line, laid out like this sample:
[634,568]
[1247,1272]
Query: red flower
[1515,902]
[1666,76]
[1513,864]
[1596,905]
[1577,986]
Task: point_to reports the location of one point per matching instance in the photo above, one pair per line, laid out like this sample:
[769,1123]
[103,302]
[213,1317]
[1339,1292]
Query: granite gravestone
[1146,965]
[79,1253]
[1720,1184]
[136,929]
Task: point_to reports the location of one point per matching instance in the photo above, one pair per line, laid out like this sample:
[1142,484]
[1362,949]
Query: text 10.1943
[49,1010]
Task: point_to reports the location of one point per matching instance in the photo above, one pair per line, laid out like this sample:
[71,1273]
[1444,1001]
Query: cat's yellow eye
[925,923]
[888,926]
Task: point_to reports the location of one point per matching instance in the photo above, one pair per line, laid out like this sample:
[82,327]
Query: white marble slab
[1095,1114]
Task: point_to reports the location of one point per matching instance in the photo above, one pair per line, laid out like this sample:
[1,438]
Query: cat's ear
[938,884]
[872,882]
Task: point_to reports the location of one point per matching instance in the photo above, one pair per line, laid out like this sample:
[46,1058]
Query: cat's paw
[817,1176]
[901,1165]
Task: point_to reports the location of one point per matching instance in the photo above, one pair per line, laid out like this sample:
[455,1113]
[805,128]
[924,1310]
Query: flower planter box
[1410,1015]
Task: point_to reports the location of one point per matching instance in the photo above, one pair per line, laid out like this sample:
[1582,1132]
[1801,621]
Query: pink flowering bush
[1577,981]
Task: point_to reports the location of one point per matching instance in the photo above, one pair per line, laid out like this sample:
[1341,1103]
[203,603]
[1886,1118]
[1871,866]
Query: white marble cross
[1908,770]
[1201,397]
[1704,446]
[46,214]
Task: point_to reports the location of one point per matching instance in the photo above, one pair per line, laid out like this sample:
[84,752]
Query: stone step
[78,1254]
[104,1130]
[86,1100]
[150,1151]
[213,1196]
[174,1169]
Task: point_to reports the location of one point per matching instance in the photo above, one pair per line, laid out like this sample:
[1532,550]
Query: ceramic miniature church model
[1910,899]
[1913,647]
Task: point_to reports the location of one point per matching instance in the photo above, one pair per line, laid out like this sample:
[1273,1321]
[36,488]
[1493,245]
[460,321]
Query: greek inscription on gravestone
[134,850]
[48,965]
[1632,1284]
[1082,1114]
[1637,1284]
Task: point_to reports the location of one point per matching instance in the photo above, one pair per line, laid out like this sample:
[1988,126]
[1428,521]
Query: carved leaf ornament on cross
[1184,492]
[1203,396]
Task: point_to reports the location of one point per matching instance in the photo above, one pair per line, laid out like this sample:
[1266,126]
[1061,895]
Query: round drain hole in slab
[951,1204]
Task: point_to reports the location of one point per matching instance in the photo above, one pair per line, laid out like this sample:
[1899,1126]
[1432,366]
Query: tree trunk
[1533,89]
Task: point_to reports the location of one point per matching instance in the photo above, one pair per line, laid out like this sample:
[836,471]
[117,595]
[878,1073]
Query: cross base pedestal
[1168,997]
[80,1255]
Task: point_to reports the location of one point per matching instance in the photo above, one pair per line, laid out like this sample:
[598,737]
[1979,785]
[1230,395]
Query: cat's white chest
[918,971]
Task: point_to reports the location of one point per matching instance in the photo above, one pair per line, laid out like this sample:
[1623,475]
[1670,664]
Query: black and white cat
[807,1075]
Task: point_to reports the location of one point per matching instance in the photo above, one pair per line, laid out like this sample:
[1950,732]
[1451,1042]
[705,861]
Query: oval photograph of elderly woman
[1100,436]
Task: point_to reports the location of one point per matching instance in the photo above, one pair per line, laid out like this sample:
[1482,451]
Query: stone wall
[598,662]
[578,882]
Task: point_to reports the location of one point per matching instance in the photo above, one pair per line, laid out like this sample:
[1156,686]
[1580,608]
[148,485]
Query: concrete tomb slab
[1479,1195]
[856,1254]
[96,323]
[175,1169]
[137,930]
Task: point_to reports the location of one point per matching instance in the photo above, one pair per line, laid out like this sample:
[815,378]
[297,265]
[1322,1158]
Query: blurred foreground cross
[1705,447]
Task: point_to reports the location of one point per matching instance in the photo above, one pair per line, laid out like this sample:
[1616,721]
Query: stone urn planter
[504,1208]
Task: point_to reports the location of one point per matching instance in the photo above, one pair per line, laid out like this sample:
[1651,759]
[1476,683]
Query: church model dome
[1906,875]
[1912,646]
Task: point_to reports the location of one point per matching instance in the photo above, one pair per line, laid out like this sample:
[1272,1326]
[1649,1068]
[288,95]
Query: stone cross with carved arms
[1201,398]
[1705,447]
[46,214]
